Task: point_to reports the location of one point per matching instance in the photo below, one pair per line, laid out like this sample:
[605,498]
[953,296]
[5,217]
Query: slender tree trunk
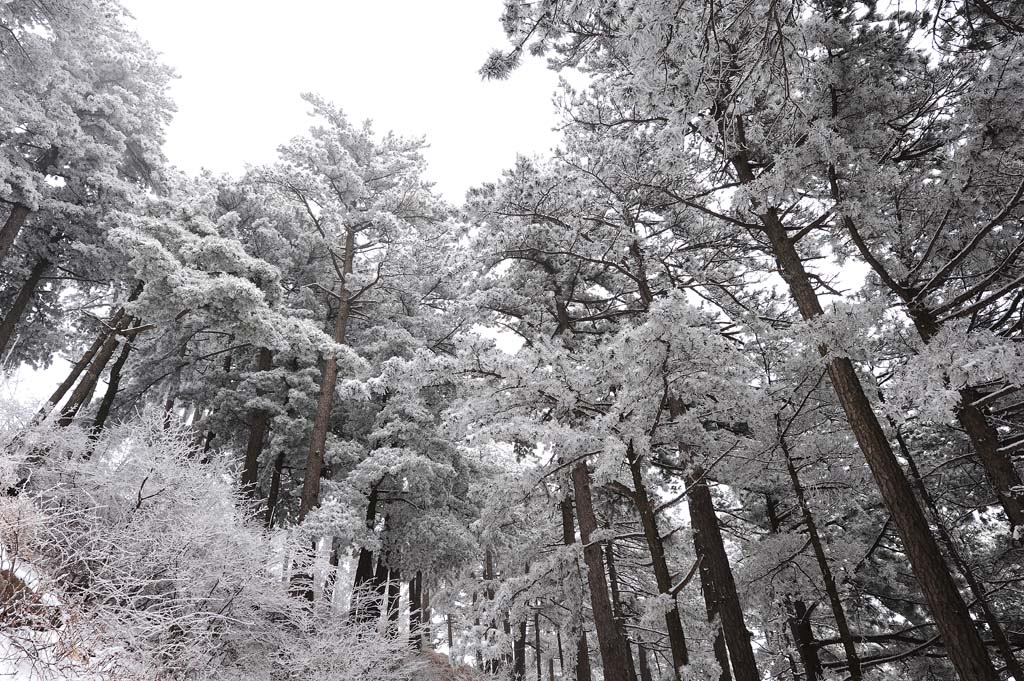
[78,368]
[966,650]
[519,653]
[428,615]
[79,397]
[551,669]
[28,289]
[645,663]
[12,227]
[998,466]
[662,576]
[999,637]
[838,612]
[800,626]
[620,617]
[613,653]
[364,564]
[394,602]
[416,610]
[328,381]
[113,386]
[259,422]
[536,646]
[331,577]
[707,588]
[705,524]
[583,672]
[275,489]
[379,597]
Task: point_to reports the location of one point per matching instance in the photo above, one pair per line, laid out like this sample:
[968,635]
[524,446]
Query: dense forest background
[726,388]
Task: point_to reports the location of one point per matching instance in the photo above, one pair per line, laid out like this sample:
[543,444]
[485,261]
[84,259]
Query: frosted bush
[153,569]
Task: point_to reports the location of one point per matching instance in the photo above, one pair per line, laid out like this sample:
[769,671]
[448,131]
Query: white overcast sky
[409,65]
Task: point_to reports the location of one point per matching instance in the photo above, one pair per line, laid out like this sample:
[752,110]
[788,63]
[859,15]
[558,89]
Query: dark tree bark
[78,367]
[364,564]
[707,588]
[583,671]
[662,576]
[275,489]
[378,593]
[999,636]
[416,610]
[428,614]
[113,386]
[259,423]
[613,650]
[838,612]
[716,561]
[536,645]
[328,381]
[519,652]
[80,396]
[620,617]
[966,649]
[394,602]
[21,302]
[998,466]
[109,328]
[645,663]
[11,228]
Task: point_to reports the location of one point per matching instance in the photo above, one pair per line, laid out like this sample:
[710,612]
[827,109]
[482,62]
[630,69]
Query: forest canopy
[727,387]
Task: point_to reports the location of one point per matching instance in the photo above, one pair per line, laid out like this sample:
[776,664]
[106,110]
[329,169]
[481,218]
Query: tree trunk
[427,616]
[800,626]
[612,647]
[79,397]
[645,664]
[394,602]
[28,289]
[12,226]
[999,637]
[275,489]
[536,646]
[720,596]
[966,650]
[377,599]
[416,610]
[78,368]
[328,381]
[707,588]
[620,618]
[998,466]
[259,421]
[662,576]
[583,672]
[519,653]
[842,625]
[113,385]
[705,525]
[364,566]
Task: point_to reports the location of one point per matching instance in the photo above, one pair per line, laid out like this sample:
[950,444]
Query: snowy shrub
[141,562]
